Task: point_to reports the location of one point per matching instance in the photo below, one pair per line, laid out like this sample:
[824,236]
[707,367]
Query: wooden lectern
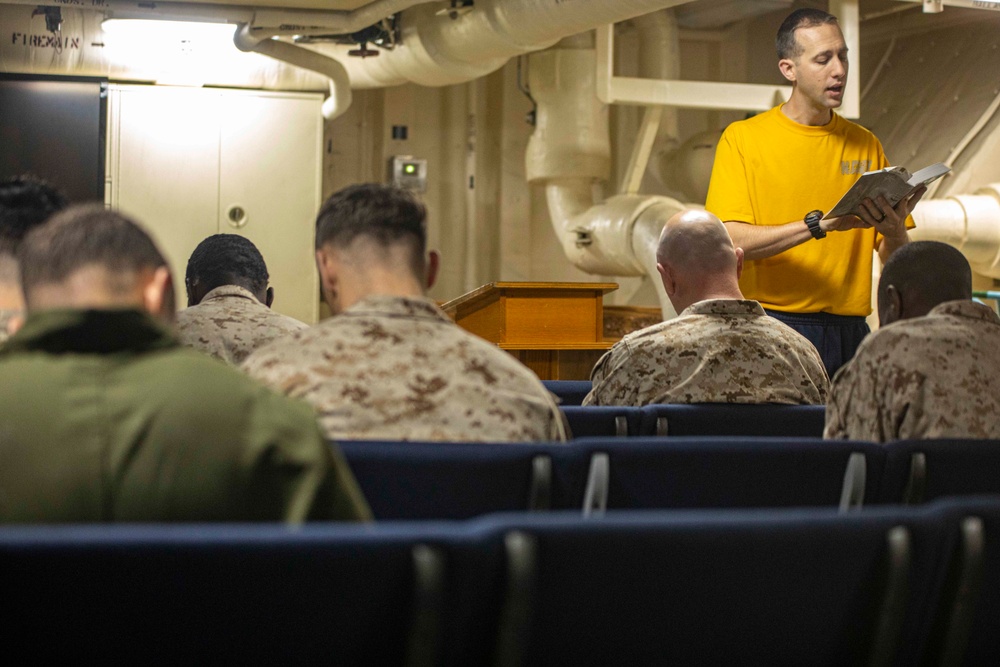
[555,329]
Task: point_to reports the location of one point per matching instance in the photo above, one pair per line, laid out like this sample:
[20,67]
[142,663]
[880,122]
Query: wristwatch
[812,222]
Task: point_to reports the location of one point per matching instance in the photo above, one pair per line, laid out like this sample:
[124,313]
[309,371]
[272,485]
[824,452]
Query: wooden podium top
[535,315]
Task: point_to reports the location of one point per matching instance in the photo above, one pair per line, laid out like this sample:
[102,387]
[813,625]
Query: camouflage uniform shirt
[230,323]
[715,351]
[398,368]
[928,377]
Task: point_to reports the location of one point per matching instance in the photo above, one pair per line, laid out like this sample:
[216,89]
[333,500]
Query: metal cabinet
[191,162]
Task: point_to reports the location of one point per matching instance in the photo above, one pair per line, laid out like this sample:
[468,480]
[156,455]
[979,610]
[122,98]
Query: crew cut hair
[81,236]
[25,202]
[227,259]
[785,43]
[930,272]
[384,214]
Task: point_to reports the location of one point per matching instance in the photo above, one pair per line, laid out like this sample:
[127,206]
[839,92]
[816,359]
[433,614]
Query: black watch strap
[812,222]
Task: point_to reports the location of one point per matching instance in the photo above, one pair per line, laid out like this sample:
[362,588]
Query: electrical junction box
[409,173]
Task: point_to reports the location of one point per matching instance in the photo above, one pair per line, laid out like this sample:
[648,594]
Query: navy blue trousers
[836,337]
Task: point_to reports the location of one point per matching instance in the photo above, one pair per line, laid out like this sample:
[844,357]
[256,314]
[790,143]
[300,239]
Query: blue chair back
[733,419]
[602,420]
[966,628]
[449,480]
[920,470]
[716,588]
[703,472]
[569,392]
[222,594]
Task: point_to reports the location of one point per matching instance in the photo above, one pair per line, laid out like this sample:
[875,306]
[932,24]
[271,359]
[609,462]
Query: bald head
[696,241]
[920,276]
[697,259]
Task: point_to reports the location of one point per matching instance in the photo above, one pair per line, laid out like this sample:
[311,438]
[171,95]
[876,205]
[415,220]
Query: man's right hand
[843,223]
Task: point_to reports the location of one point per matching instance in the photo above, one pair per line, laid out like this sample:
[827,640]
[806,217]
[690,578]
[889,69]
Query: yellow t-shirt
[770,170]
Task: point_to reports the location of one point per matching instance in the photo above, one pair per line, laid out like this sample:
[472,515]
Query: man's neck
[804,113]
[378,284]
[10,297]
[682,300]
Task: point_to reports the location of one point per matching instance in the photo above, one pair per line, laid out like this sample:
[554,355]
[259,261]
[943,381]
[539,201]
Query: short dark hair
[785,42]
[85,235]
[25,202]
[227,259]
[385,214]
[927,272]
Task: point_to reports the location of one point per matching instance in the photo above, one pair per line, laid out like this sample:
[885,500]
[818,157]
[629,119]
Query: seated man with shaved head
[105,417]
[390,364]
[229,301]
[933,368]
[721,348]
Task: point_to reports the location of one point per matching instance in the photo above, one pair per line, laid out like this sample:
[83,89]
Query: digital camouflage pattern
[715,351]
[230,323]
[928,377]
[398,368]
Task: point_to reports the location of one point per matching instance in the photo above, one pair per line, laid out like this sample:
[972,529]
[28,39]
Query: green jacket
[105,417]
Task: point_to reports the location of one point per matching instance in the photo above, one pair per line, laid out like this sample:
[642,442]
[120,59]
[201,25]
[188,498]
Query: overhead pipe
[969,222]
[570,152]
[659,58]
[438,50]
[340,84]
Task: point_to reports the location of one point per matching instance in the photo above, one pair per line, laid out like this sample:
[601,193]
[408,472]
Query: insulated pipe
[340,85]
[569,152]
[438,50]
[970,223]
[659,58]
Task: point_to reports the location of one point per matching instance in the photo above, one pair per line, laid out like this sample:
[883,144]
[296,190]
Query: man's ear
[269,297]
[787,68]
[667,277]
[193,295]
[14,324]
[739,263]
[892,309]
[327,265]
[433,264]
[158,294]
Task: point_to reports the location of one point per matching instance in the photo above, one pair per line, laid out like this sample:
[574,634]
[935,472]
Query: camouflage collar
[963,308]
[229,290]
[398,306]
[744,307]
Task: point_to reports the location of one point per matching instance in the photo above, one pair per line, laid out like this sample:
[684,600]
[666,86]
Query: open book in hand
[894,182]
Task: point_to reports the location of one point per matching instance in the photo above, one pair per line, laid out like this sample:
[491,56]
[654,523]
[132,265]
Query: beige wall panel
[164,166]
[180,157]
[269,152]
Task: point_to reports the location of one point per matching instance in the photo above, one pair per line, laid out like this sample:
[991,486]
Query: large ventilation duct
[970,223]
[439,50]
[570,152]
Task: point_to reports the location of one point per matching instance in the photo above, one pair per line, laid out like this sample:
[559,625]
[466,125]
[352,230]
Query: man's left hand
[887,220]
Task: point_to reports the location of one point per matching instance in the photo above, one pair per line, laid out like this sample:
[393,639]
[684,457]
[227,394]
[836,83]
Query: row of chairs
[679,419]
[441,480]
[888,586]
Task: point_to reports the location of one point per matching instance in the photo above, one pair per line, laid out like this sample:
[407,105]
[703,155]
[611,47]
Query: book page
[894,183]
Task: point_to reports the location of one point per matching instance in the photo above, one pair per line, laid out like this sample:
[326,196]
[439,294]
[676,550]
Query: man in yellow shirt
[776,173]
